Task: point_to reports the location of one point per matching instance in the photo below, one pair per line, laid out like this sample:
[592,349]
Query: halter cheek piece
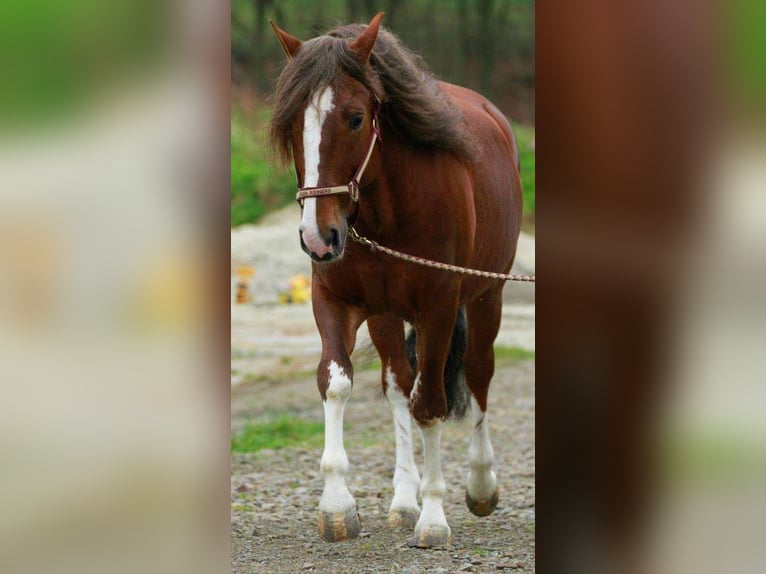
[352,187]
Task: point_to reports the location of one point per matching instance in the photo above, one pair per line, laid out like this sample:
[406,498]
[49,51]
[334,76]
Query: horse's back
[496,182]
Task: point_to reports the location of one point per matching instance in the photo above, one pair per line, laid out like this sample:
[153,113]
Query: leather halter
[352,187]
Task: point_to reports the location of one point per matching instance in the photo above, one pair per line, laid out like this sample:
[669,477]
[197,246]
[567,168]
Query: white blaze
[316,112]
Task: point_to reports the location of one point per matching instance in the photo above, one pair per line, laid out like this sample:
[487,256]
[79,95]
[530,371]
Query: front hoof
[403,518]
[337,526]
[431,535]
[482,507]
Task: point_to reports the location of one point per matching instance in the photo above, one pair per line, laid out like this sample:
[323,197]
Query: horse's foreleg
[338,518]
[387,334]
[404,509]
[484,315]
[428,403]
[432,528]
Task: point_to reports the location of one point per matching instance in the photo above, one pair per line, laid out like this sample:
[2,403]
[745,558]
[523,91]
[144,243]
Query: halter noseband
[352,187]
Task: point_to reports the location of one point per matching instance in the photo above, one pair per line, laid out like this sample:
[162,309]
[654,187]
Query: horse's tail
[458,395]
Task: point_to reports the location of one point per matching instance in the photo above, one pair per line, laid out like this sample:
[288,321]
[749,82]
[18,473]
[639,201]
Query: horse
[383,150]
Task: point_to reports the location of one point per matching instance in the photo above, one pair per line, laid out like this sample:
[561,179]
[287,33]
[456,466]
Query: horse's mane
[413,106]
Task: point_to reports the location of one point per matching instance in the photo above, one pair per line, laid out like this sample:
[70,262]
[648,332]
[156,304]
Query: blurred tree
[353,10]
[485,41]
[487,45]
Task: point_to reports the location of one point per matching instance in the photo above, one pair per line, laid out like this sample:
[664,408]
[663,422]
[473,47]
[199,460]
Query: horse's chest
[378,291]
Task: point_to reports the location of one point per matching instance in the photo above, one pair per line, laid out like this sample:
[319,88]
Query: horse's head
[326,101]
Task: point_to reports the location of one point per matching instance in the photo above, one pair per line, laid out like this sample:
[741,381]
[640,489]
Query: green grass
[372,364]
[502,353]
[713,457]
[525,138]
[512,353]
[277,377]
[744,50]
[258,184]
[284,431]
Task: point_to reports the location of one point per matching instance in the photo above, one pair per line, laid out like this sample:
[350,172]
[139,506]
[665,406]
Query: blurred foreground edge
[114,320]
[622,121]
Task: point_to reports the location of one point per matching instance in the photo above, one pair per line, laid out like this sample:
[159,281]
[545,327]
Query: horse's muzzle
[325,249]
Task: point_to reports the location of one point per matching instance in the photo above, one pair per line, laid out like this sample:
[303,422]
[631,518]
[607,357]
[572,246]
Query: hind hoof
[482,507]
[337,526]
[433,535]
[403,518]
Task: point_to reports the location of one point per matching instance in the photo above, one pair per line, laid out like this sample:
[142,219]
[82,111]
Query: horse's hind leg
[337,323]
[484,315]
[387,334]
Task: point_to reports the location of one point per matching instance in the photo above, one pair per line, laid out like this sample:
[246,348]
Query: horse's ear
[363,44]
[290,44]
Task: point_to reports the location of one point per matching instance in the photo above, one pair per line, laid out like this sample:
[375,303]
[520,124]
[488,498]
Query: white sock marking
[481,481]
[415,389]
[432,487]
[336,496]
[406,476]
[316,112]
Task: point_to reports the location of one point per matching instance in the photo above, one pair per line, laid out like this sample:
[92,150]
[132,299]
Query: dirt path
[275,493]
[270,340]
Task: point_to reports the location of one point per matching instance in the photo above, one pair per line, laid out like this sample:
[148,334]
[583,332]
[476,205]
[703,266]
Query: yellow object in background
[243,275]
[299,290]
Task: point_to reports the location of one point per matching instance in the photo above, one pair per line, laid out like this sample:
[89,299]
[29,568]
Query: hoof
[337,526]
[482,507]
[403,518]
[433,535]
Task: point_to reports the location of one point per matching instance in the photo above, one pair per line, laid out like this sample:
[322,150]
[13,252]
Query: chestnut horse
[433,172]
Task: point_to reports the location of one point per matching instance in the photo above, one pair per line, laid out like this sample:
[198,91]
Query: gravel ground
[275,350]
[275,493]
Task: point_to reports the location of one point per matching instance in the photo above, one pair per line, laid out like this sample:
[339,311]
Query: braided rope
[375,246]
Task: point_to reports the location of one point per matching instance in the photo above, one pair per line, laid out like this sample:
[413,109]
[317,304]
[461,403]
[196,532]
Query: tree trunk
[463,36]
[391,11]
[370,10]
[486,8]
[260,24]
[352,10]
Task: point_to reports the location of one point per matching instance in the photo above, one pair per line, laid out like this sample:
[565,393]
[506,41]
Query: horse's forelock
[417,109]
[313,68]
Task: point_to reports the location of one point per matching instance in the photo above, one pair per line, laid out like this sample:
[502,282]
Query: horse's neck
[389,204]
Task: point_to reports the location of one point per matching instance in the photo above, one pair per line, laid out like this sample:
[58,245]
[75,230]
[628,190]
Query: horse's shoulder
[479,111]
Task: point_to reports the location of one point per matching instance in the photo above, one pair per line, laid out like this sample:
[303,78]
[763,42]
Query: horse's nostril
[334,237]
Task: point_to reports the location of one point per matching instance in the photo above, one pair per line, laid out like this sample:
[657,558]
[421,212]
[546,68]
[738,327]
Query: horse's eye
[356,122]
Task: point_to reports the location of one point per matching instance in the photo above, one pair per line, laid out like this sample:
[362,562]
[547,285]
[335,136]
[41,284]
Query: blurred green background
[60,60]
[487,45]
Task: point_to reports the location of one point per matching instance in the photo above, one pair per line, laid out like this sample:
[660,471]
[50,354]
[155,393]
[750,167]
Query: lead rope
[375,246]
